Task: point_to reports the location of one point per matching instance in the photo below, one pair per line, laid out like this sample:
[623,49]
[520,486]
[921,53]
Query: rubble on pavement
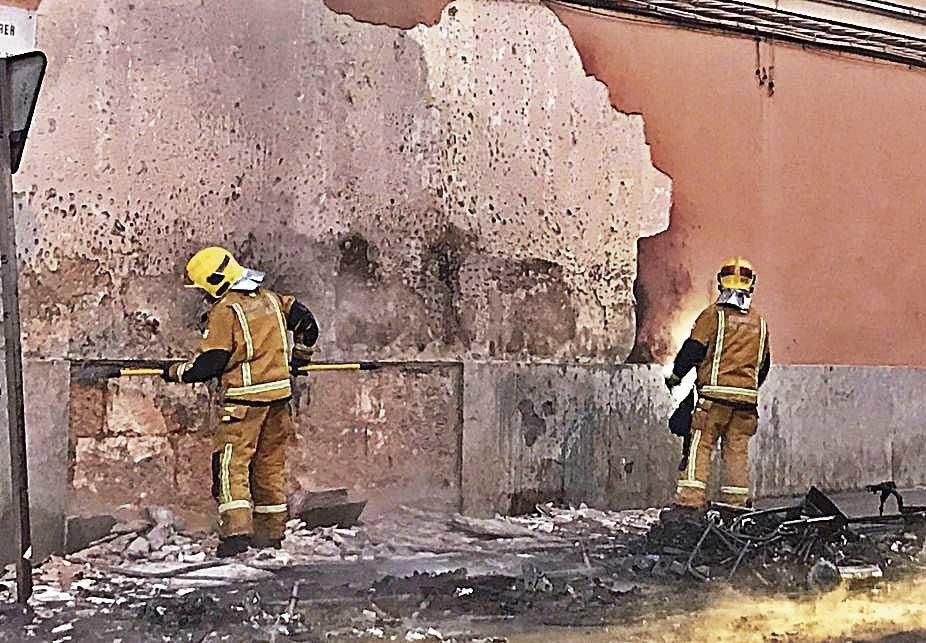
[564,565]
[811,545]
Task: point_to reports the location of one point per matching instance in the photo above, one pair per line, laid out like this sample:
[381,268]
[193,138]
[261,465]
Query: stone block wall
[142,442]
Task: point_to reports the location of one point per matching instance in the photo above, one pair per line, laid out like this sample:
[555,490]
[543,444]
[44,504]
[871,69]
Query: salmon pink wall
[819,182]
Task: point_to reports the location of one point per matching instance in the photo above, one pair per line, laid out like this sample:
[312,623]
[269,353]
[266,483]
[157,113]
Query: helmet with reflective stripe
[214,270]
[736,274]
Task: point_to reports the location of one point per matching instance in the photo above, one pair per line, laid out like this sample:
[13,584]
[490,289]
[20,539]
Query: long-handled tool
[356,366]
[96,371]
[109,369]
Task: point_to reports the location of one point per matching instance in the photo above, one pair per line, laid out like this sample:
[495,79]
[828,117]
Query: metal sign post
[20,79]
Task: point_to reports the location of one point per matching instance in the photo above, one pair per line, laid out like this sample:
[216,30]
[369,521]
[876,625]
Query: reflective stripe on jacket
[737,344]
[252,327]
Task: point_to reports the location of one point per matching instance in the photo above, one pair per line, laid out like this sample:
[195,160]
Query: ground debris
[811,545]
[491,527]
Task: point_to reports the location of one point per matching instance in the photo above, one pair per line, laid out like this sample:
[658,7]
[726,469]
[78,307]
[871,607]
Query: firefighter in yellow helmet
[246,345]
[729,347]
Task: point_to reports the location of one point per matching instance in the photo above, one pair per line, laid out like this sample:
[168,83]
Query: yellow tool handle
[358,366]
[139,372]
[329,367]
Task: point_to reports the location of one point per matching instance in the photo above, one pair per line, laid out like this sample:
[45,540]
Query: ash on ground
[418,574]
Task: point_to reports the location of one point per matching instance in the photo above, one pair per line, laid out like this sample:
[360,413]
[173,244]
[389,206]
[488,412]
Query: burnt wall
[795,157]
[598,434]
[445,193]
[442,192]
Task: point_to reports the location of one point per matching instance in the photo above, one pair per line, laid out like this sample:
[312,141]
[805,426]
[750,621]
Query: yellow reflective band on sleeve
[183,368]
[284,338]
[718,346]
[735,491]
[246,374]
[269,509]
[692,484]
[763,330]
[234,504]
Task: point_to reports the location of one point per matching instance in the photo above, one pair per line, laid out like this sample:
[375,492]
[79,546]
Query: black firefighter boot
[232,546]
[263,542]
[680,514]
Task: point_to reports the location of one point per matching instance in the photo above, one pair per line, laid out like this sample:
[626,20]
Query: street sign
[20,79]
[17,31]
[24,77]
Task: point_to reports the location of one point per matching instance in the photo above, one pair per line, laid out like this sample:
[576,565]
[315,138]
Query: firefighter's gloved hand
[170,372]
[302,356]
[672,380]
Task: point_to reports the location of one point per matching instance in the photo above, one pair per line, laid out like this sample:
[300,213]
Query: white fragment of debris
[162,516]
[375,632]
[45,594]
[463,591]
[61,629]
[497,527]
[415,635]
[100,600]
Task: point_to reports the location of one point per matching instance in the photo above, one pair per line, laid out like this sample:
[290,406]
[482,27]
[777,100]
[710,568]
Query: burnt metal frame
[807,529]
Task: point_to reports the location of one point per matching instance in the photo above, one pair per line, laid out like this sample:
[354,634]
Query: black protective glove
[672,380]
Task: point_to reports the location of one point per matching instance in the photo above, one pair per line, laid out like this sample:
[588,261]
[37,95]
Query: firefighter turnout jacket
[246,344]
[730,350]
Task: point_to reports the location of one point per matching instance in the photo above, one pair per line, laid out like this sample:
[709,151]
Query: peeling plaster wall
[816,182]
[455,192]
[441,192]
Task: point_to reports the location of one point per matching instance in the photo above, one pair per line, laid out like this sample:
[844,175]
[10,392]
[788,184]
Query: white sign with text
[17,31]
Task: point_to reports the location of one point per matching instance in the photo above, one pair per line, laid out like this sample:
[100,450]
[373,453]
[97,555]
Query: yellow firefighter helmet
[736,274]
[214,270]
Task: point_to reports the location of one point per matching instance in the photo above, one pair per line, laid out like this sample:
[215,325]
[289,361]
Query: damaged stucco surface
[598,434]
[456,190]
[595,434]
[444,193]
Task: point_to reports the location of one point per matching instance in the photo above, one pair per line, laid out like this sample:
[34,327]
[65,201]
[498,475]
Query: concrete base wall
[592,434]
[527,433]
[46,400]
[840,428]
[598,434]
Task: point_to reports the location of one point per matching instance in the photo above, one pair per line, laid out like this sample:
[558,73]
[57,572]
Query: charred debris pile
[811,544]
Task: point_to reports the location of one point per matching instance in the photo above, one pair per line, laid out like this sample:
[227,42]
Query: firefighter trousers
[248,469]
[733,426]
